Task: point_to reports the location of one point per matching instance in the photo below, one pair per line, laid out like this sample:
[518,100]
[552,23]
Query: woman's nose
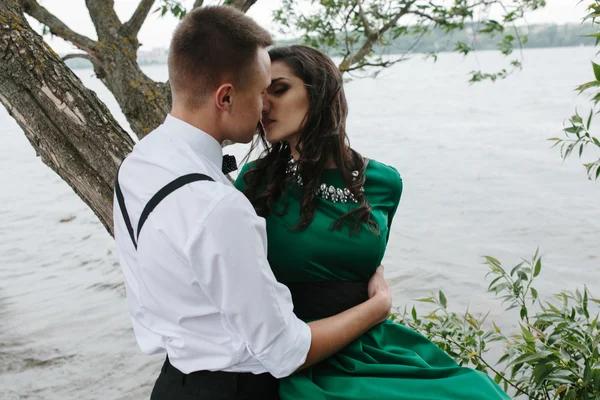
[266,103]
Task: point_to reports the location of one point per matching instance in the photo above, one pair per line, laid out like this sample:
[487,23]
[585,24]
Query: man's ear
[224,96]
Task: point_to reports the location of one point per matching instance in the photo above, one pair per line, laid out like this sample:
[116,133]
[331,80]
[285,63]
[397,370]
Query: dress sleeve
[395,193]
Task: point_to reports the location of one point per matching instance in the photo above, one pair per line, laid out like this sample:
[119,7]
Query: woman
[328,212]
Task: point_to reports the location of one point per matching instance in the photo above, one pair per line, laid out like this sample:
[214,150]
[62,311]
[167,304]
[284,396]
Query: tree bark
[71,130]
[144,102]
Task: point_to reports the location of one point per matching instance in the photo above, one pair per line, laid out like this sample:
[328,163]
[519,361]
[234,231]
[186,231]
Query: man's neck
[199,118]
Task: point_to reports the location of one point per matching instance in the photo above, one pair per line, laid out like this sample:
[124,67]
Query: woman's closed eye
[279,89]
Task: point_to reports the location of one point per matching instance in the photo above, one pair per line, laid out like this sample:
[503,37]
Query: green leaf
[537,268]
[497,289]
[498,378]
[587,374]
[529,358]
[561,389]
[414,313]
[526,334]
[503,358]
[589,121]
[540,372]
[596,68]
[463,48]
[442,299]
[565,354]
[496,327]
[426,300]
[515,269]
[493,261]
[577,346]
[587,85]
[523,313]
[534,293]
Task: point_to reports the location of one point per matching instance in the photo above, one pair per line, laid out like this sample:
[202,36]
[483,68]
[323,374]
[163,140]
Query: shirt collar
[200,141]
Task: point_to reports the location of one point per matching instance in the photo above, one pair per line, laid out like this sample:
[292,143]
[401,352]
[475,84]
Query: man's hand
[380,289]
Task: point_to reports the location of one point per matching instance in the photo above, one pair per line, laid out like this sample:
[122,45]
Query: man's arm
[228,255]
[332,334]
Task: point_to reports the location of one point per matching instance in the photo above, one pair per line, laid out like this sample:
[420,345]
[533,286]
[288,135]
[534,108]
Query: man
[198,284]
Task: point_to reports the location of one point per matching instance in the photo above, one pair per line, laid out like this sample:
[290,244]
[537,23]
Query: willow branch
[57,27]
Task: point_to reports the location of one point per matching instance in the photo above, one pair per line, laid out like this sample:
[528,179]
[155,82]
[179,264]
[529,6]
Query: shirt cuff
[289,350]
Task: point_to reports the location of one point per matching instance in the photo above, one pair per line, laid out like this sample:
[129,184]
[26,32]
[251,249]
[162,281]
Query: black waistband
[214,378]
[316,300]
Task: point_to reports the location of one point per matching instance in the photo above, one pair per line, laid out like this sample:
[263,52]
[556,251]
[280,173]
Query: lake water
[480,179]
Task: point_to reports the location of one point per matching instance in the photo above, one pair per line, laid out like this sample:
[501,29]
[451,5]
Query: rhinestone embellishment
[335,195]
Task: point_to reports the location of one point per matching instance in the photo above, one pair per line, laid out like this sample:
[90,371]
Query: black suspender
[154,201]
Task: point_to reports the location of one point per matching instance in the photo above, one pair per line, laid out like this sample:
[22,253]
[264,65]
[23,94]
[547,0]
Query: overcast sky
[156,32]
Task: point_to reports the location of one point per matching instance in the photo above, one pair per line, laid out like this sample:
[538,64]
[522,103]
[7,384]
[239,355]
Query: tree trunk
[69,127]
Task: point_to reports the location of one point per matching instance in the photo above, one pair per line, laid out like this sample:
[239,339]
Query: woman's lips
[267,122]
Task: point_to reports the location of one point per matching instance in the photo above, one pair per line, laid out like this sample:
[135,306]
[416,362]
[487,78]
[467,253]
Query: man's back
[175,282]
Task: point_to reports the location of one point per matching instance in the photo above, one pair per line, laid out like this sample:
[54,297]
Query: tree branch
[364,19]
[429,17]
[56,26]
[243,5]
[77,55]
[104,17]
[386,64]
[373,38]
[383,64]
[346,34]
[136,21]
[396,18]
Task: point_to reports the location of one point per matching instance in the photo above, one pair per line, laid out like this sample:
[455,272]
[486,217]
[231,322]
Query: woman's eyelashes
[280,89]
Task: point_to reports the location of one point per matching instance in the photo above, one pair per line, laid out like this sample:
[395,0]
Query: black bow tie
[229,164]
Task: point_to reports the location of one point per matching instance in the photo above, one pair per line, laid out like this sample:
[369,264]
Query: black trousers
[173,384]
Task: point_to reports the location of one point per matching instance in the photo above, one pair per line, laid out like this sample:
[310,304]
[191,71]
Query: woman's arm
[330,335]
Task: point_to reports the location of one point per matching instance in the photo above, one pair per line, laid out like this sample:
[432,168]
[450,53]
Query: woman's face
[287,105]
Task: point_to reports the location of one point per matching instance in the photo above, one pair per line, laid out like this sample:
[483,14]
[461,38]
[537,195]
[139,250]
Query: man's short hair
[210,45]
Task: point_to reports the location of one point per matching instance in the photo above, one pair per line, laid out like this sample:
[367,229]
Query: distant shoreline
[436,41]
[76,64]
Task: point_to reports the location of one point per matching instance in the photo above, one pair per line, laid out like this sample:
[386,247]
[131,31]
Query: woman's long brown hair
[322,137]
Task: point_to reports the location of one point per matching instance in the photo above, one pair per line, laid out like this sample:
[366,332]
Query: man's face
[249,103]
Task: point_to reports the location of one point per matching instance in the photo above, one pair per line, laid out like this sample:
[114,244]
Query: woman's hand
[379,289]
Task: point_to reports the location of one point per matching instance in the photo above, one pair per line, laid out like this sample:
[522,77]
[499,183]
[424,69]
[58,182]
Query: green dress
[390,361]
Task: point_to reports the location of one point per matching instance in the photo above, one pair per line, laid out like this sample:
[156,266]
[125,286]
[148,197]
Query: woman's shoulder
[384,178]
[382,172]
[240,184]
[246,167]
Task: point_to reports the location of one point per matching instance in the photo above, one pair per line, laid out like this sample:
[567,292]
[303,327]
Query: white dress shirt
[199,285]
